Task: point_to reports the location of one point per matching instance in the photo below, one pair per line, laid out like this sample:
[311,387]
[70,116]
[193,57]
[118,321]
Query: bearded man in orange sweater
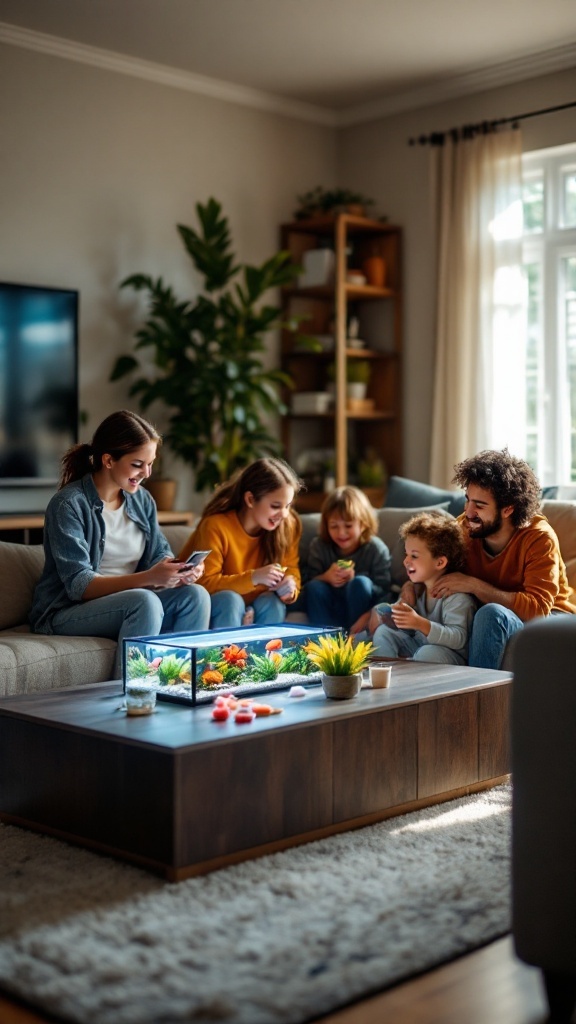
[514,568]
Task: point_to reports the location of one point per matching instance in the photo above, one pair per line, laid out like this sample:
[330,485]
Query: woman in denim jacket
[109,570]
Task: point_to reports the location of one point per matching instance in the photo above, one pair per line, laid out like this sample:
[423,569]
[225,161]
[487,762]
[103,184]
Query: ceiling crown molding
[491,77]
[107,60]
[561,58]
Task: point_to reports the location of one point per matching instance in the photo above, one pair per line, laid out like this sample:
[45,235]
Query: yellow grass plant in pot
[341,663]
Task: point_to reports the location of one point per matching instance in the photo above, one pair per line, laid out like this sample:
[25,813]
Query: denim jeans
[228,607]
[398,643]
[136,613]
[339,606]
[492,627]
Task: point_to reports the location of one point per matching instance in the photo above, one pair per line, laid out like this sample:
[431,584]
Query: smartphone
[195,558]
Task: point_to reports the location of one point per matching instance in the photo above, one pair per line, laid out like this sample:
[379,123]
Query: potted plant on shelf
[357,377]
[207,353]
[358,373]
[340,662]
[319,201]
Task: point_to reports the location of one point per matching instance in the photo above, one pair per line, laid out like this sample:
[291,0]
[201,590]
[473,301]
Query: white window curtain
[481,311]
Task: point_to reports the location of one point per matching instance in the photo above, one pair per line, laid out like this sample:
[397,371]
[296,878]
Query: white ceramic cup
[380,676]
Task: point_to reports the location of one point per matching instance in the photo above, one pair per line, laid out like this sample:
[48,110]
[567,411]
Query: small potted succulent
[341,663]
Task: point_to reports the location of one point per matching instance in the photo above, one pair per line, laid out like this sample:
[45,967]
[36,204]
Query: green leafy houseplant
[207,353]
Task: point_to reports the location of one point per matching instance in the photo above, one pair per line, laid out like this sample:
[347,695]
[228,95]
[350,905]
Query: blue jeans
[339,606]
[398,643]
[492,627]
[228,607]
[136,613]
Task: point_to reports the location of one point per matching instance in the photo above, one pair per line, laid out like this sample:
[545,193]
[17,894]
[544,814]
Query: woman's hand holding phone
[196,558]
[190,570]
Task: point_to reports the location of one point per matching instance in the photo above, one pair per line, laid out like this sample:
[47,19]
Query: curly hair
[442,536]
[353,506]
[511,481]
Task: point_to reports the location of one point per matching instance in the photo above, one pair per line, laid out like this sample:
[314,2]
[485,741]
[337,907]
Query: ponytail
[75,463]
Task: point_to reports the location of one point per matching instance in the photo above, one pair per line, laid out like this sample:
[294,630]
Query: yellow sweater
[530,566]
[234,554]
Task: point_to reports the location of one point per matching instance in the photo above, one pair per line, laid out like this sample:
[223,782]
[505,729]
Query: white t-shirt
[124,544]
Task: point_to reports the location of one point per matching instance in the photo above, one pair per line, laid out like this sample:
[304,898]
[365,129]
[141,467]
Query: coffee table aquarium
[192,668]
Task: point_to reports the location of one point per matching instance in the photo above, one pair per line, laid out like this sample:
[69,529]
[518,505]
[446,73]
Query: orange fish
[273,645]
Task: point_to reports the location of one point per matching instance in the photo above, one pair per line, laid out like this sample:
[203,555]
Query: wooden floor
[489,986]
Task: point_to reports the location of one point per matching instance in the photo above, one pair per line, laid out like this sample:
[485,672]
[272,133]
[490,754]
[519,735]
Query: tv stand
[27,529]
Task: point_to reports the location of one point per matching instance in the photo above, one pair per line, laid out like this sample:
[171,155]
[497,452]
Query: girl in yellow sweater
[252,534]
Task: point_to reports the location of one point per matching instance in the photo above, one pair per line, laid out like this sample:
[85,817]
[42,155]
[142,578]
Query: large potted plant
[207,353]
[341,663]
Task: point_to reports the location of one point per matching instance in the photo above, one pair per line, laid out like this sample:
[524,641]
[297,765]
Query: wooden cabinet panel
[90,787]
[240,795]
[375,762]
[447,744]
[494,732]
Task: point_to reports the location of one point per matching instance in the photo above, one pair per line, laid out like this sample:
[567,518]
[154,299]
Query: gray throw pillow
[404,493]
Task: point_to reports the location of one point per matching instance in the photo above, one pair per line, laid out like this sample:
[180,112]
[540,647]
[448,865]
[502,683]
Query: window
[549,263]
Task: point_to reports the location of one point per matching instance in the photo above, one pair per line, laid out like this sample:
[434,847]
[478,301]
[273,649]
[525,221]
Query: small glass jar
[140,698]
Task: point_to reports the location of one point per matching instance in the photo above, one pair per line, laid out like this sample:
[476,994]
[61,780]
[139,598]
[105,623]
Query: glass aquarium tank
[192,668]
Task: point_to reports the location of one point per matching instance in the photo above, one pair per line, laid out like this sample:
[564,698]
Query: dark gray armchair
[544,805]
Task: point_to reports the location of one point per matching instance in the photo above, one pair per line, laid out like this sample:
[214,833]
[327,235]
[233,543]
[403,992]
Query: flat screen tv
[38,382]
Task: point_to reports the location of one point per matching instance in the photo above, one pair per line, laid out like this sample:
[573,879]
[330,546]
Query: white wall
[376,159]
[97,168]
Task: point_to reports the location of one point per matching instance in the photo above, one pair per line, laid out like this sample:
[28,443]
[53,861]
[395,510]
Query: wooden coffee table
[180,794]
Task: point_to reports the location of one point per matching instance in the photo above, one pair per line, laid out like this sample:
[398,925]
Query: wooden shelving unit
[350,432]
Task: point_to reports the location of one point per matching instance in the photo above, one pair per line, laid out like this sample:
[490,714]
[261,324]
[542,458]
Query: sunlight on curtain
[565,371]
[479,383]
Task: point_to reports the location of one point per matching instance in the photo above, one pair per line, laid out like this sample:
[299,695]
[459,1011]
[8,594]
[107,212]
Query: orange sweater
[530,566]
[234,554]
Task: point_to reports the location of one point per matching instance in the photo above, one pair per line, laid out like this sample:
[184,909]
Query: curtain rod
[468,131]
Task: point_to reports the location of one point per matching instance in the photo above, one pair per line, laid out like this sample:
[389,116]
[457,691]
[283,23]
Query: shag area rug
[278,940]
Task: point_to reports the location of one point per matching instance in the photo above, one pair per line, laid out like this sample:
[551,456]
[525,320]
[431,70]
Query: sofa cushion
[34,663]
[562,518]
[177,536]
[404,493]
[20,569]
[310,527]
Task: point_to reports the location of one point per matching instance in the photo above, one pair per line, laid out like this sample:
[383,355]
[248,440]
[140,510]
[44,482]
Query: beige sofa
[30,663]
